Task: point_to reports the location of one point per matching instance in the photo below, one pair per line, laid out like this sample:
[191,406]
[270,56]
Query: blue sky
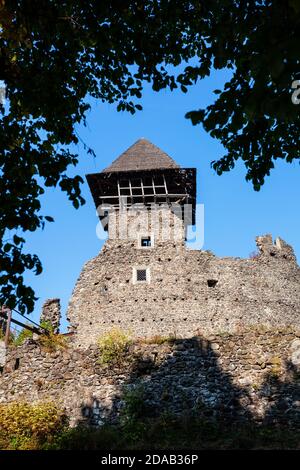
[234,213]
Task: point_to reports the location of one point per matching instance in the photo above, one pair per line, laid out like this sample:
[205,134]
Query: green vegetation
[134,407]
[44,426]
[49,341]
[158,339]
[22,337]
[25,426]
[113,346]
[171,432]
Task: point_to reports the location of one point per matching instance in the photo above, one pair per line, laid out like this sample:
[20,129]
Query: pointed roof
[142,155]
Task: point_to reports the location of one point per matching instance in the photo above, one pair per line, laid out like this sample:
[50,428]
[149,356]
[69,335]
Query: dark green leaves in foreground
[53,56]
[253,116]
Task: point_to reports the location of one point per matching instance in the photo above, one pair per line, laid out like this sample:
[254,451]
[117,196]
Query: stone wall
[253,374]
[189,291]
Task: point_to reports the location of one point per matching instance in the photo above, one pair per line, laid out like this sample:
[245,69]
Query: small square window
[146,242]
[141,275]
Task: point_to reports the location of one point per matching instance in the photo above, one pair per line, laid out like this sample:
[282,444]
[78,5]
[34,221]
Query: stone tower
[144,196]
[145,280]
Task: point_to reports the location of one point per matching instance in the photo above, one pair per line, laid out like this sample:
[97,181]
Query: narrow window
[212,282]
[146,242]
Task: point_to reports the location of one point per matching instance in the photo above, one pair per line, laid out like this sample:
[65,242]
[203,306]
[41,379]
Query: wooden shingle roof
[142,155]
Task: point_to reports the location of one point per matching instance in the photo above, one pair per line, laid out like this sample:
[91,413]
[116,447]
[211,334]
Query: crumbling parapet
[51,313]
[277,249]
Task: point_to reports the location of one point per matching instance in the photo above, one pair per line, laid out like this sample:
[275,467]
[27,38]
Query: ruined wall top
[183,291]
[51,313]
[280,248]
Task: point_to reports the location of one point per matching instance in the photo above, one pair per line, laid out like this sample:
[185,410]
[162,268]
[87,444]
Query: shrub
[22,337]
[133,404]
[29,426]
[50,342]
[133,414]
[113,346]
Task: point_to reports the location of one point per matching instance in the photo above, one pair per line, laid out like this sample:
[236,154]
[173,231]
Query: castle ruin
[145,279]
[234,324]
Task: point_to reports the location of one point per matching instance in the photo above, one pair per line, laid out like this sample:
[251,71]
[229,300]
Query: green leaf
[17,240]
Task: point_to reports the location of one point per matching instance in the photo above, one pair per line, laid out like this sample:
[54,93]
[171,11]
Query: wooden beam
[27,327]
[8,317]
[7,330]
[130,190]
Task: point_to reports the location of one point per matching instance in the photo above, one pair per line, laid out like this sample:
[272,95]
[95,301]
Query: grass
[158,339]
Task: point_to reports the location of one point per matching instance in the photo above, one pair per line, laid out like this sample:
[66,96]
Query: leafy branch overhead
[253,116]
[54,55]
